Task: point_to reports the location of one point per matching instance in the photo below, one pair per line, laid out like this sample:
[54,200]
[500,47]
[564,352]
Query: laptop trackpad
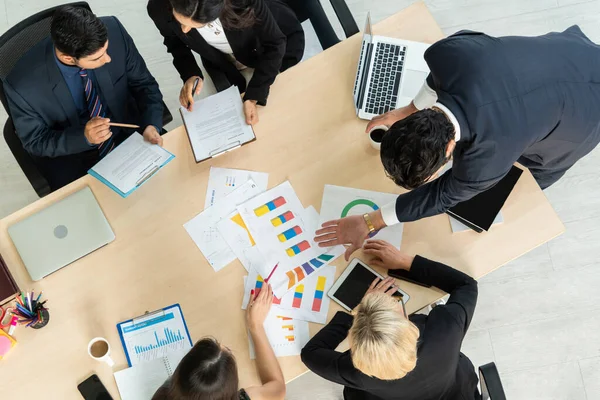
[413,80]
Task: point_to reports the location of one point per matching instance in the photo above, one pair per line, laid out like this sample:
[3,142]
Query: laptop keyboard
[385,78]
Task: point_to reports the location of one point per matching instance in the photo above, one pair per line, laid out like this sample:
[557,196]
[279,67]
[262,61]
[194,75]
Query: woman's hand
[387,286]
[259,307]
[386,255]
[251,112]
[186,97]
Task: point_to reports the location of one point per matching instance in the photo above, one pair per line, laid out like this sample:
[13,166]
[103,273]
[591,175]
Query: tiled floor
[538,318]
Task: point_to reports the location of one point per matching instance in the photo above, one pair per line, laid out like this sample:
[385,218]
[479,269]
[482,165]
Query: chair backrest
[19,39]
[491,385]
[313,10]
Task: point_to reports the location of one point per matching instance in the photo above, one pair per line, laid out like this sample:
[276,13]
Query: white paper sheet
[339,202]
[287,336]
[308,301]
[140,382]
[458,226]
[217,124]
[222,181]
[294,253]
[203,227]
[131,163]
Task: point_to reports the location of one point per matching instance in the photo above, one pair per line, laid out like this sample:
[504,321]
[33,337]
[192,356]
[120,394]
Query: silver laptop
[390,73]
[61,233]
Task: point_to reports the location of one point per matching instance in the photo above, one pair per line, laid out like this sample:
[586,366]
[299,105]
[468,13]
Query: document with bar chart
[286,335]
[308,301]
[284,235]
[154,335]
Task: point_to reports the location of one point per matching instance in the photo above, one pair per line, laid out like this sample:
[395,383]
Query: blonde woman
[393,356]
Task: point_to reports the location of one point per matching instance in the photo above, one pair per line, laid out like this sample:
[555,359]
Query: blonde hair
[383,343]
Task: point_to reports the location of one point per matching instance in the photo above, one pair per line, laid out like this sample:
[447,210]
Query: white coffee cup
[375,137]
[99,349]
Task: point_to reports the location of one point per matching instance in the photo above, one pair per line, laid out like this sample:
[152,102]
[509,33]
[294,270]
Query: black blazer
[529,99]
[262,46]
[43,109]
[442,371]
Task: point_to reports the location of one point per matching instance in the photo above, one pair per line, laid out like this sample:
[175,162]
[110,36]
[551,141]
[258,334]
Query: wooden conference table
[309,134]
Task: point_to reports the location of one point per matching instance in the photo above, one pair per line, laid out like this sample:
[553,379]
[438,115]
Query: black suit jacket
[529,99]
[442,371]
[261,46]
[43,109]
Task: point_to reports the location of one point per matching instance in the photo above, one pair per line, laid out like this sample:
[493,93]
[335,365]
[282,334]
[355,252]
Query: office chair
[491,385]
[313,10]
[17,41]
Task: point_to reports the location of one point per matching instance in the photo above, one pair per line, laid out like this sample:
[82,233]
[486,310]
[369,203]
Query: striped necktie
[96,109]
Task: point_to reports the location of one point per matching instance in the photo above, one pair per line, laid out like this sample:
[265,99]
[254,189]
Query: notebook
[480,212]
[8,287]
[141,381]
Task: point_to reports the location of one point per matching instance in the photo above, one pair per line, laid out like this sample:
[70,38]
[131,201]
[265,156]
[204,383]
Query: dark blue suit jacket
[534,100]
[43,109]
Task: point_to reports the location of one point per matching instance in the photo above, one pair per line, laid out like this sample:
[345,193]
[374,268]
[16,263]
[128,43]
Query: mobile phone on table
[402,274]
[93,389]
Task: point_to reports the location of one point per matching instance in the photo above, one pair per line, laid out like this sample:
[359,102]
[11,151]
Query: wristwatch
[370,225]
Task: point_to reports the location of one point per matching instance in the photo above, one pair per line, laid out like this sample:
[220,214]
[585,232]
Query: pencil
[272,272]
[123,125]
[39,295]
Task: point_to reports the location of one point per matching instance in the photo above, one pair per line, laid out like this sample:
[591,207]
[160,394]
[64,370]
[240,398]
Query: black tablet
[354,282]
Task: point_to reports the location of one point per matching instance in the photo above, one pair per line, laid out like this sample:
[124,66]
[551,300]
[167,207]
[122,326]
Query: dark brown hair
[207,372]
[234,14]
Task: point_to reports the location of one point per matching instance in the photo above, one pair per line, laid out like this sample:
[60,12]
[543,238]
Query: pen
[196,82]
[123,125]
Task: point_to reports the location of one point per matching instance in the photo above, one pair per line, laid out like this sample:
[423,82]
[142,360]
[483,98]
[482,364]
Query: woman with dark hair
[209,370]
[229,35]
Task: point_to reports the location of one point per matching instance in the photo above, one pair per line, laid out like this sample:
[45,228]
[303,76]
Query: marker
[13,325]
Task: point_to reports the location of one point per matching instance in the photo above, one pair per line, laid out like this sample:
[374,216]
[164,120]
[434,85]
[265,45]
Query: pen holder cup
[46,319]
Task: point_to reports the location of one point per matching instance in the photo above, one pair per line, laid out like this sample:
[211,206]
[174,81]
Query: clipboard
[227,102]
[154,335]
[147,175]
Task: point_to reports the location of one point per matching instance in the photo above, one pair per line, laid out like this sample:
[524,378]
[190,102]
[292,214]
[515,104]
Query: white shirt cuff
[426,97]
[388,213]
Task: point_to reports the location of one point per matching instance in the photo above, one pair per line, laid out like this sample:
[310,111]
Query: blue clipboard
[145,322]
[144,180]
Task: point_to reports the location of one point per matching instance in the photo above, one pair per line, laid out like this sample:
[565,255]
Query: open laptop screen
[363,64]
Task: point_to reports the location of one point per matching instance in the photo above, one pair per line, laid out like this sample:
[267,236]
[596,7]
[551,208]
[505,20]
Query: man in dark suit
[487,103]
[395,356]
[65,91]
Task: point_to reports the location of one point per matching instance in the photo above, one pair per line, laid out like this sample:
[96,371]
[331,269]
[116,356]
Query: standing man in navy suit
[64,92]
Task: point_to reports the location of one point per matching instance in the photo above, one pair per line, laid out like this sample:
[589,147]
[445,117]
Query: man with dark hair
[64,92]
[487,103]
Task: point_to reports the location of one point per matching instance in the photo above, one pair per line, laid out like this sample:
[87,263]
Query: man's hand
[186,97]
[386,255]
[259,307]
[97,130]
[251,112]
[351,231]
[389,118]
[151,135]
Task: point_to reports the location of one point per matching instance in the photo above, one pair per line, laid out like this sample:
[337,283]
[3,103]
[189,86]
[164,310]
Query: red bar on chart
[289,234]
[320,289]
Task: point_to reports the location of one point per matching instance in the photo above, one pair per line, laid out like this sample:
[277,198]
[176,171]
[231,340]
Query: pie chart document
[339,202]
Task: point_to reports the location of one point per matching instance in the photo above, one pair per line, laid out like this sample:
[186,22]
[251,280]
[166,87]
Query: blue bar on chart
[170,337]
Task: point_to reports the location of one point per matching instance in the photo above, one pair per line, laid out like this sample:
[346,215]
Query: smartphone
[93,389]
[402,274]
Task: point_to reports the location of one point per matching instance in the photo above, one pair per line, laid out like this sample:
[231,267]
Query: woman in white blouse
[229,35]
